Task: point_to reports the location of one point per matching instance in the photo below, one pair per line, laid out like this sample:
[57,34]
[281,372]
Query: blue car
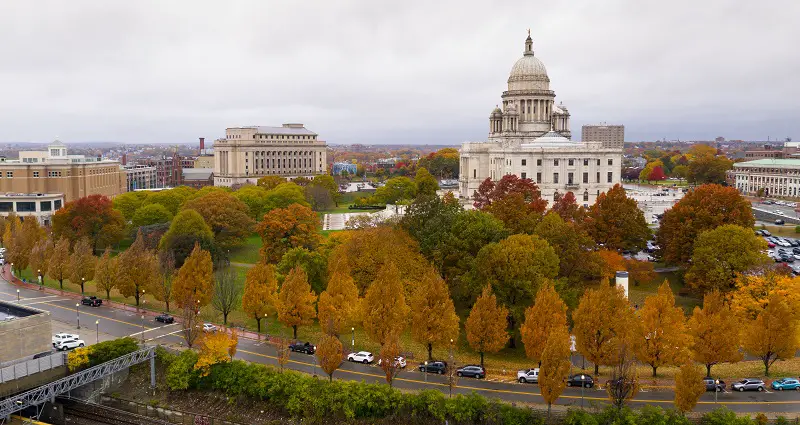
[786,384]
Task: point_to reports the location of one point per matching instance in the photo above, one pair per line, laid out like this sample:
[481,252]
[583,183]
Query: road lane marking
[38,302]
[152,329]
[162,336]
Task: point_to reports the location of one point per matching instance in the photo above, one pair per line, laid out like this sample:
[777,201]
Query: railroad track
[79,413]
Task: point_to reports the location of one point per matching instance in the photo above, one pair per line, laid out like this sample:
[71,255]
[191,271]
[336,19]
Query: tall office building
[612,136]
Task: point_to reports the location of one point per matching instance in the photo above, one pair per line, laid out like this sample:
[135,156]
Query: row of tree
[701,164]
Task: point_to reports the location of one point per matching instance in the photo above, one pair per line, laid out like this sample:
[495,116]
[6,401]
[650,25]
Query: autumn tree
[194,284]
[329,354]
[772,335]
[394,190]
[721,254]
[151,214]
[106,272]
[641,272]
[547,315]
[338,305]
[648,169]
[285,228]
[516,202]
[603,322]
[58,268]
[260,292]
[657,174]
[138,269]
[714,330]
[426,183]
[567,208]
[128,203]
[617,222]
[555,365]
[82,262]
[186,230]
[171,199]
[296,301]
[215,348]
[191,324]
[326,183]
[708,167]
[486,324]
[443,163]
[703,208]
[283,196]
[270,182]
[227,293]
[572,244]
[93,217]
[385,311]
[388,358]
[681,172]
[39,258]
[624,382]
[226,215]
[610,263]
[661,337]
[162,288]
[689,387]
[314,263]
[433,315]
[753,292]
[428,220]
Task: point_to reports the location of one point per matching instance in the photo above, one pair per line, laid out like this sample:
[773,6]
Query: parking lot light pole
[78,314]
[41,281]
[583,385]
[83,282]
[97,331]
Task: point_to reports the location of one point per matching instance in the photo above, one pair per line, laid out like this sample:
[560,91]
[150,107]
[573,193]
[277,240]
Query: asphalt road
[121,323]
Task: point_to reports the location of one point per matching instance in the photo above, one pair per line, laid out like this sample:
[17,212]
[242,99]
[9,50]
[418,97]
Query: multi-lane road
[121,323]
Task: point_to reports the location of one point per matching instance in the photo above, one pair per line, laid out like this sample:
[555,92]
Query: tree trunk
[549,405]
[137,297]
[481,359]
[430,351]
[294,329]
[708,370]
[167,304]
[224,317]
[108,294]
[766,365]
[654,371]
[61,283]
[258,324]
[596,369]
[81,287]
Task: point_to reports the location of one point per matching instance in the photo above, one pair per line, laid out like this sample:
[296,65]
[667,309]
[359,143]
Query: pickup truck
[92,301]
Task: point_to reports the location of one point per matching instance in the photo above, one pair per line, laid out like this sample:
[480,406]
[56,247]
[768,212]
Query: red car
[770,244]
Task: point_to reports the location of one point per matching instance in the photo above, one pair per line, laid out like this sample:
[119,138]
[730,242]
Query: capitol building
[530,137]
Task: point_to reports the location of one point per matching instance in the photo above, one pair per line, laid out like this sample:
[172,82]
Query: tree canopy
[285,228]
[617,222]
[721,254]
[225,214]
[92,217]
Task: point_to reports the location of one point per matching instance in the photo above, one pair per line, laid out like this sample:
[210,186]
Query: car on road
[92,301]
[779,222]
[59,337]
[165,318]
[749,384]
[528,375]
[69,344]
[361,357]
[712,383]
[399,361]
[303,347]
[472,371]
[580,380]
[209,327]
[786,384]
[434,367]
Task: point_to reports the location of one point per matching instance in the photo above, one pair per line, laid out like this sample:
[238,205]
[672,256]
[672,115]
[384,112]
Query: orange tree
[661,337]
[516,202]
[338,304]
[433,315]
[296,301]
[555,365]
[572,244]
[93,217]
[617,222]
[260,292]
[772,335]
[82,262]
[329,354]
[194,284]
[106,270]
[138,269]
[547,314]
[689,387]
[58,267]
[486,324]
[714,330]
[385,312]
[285,228]
[225,214]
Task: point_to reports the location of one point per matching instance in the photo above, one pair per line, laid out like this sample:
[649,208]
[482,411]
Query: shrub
[580,417]
[110,350]
[724,416]
[180,373]
[78,359]
[797,229]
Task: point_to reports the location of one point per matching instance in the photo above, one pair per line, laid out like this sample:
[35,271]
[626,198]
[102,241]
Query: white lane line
[152,329]
[40,302]
[162,336]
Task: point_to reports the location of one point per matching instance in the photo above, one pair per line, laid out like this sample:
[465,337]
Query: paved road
[121,323]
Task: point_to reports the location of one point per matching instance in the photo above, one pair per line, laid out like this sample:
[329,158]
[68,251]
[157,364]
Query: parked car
[786,384]
[528,375]
[786,258]
[165,318]
[793,242]
[580,380]
[472,371]
[361,357]
[770,244]
[711,384]
[779,222]
[209,327]
[399,361]
[92,301]
[303,347]
[434,367]
[59,337]
[69,344]
[766,232]
[749,384]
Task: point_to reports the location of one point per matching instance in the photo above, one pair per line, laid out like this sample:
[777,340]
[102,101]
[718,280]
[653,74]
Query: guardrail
[29,367]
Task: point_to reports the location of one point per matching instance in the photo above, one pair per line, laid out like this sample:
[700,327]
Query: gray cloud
[391,72]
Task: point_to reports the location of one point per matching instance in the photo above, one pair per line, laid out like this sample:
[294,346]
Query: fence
[29,367]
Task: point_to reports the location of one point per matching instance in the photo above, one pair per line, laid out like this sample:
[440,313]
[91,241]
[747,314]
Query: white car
[399,361]
[528,375]
[69,344]
[60,337]
[209,327]
[361,357]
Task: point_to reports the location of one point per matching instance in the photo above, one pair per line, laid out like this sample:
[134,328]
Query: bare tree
[452,371]
[624,383]
[388,359]
[190,323]
[226,292]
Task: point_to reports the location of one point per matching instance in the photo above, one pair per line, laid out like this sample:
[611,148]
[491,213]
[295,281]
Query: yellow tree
[40,257]
[215,348]
[105,273]
[385,310]
[433,315]
[296,300]
[486,324]
[661,337]
[546,314]
[689,387]
[58,268]
[603,323]
[338,304]
[138,268]
[752,293]
[260,292]
[194,284]
[82,262]
[772,335]
[555,365]
[329,354]
[162,287]
[714,330]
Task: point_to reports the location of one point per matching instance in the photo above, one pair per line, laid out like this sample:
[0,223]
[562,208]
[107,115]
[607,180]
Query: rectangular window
[6,206]
[585,162]
[57,205]
[610,176]
[586,196]
[524,175]
[474,173]
[538,177]
[610,162]
[586,177]
[45,205]
[555,162]
[598,175]
[26,206]
[524,163]
[555,177]
[571,162]
[598,162]
[9,174]
[539,162]
[35,174]
[569,178]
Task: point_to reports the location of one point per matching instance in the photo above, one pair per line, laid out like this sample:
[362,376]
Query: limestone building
[248,153]
[530,137]
[610,135]
[767,177]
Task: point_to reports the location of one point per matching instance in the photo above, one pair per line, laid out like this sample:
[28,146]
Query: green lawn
[637,294]
[247,253]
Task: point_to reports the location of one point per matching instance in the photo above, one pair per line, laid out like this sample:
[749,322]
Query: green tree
[433,315]
[128,203]
[428,220]
[706,168]
[326,182]
[396,189]
[681,172]
[721,254]
[486,324]
[426,183]
[171,199]
[254,197]
[151,214]
[225,215]
[187,229]
[617,222]
[313,263]
[283,196]
[270,182]
[572,244]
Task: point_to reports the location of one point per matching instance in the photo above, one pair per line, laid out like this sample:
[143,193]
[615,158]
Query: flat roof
[769,162]
[11,311]
[29,195]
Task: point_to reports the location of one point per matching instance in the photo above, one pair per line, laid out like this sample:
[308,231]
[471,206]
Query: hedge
[96,354]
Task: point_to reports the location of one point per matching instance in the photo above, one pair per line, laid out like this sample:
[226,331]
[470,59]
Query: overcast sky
[392,72]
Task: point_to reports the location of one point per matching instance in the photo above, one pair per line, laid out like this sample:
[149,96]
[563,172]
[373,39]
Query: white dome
[528,68]
[550,139]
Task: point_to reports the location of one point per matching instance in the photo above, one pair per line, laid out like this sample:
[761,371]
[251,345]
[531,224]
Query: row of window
[275,136]
[280,153]
[26,206]
[570,162]
[570,180]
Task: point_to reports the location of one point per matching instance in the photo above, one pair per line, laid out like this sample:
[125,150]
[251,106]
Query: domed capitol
[530,137]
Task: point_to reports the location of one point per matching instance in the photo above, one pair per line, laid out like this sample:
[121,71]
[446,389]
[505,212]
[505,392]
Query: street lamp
[78,314]
[426,371]
[716,390]
[583,385]
[353,341]
[143,329]
[17,295]
[266,328]
[83,282]
[41,281]
[12,269]
[97,331]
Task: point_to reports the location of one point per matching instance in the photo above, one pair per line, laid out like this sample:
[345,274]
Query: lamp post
[83,282]
[266,328]
[716,390]
[12,269]
[353,341]
[583,385]
[143,329]
[97,331]
[78,314]
[41,281]
[426,371]
[17,295]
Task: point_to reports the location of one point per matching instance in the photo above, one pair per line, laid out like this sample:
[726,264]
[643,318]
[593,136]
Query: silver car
[528,375]
[749,384]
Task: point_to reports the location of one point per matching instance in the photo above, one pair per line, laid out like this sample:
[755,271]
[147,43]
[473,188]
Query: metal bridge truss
[49,391]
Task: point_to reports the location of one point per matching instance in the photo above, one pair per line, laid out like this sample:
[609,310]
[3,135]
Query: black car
[434,367]
[579,380]
[786,258]
[793,242]
[711,384]
[472,371]
[92,301]
[780,222]
[165,318]
[303,347]
[795,250]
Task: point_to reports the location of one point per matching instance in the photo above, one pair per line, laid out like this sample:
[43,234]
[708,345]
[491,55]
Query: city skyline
[416,73]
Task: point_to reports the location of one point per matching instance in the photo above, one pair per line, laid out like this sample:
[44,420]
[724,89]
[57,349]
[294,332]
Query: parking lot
[783,250]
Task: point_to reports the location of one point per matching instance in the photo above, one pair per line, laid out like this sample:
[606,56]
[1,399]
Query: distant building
[776,177]
[169,169]
[205,159]
[54,171]
[42,206]
[198,177]
[248,153]
[611,136]
[767,151]
[344,166]
[140,177]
